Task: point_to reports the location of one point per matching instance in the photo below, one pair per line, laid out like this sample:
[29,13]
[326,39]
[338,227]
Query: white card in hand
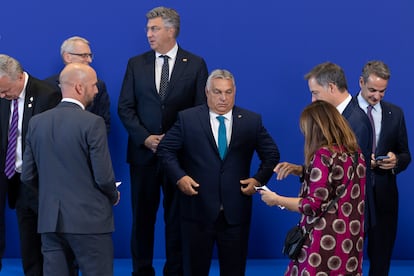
[118,183]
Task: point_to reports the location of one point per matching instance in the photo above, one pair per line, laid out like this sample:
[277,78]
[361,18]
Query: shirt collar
[341,107]
[171,53]
[70,100]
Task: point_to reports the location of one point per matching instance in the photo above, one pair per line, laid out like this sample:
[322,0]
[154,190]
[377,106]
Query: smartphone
[381,157]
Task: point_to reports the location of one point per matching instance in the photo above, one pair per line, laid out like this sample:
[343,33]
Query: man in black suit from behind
[77,49]
[390,140]
[33,96]
[67,162]
[157,85]
[210,162]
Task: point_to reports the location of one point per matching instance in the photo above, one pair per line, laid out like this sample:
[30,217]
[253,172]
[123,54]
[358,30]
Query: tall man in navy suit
[214,177]
[157,85]
[390,140]
[32,96]
[77,49]
[67,162]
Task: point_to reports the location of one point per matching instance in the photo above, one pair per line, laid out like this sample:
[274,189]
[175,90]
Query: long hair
[323,126]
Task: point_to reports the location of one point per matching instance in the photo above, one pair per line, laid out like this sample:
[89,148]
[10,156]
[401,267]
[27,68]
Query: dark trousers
[30,241]
[146,185]
[198,244]
[3,192]
[93,253]
[381,236]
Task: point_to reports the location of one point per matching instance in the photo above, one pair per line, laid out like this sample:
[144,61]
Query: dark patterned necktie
[222,138]
[165,74]
[9,168]
[374,136]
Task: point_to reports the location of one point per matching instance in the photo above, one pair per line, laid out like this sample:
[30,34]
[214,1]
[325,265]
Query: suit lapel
[237,120]
[179,68]
[4,120]
[150,69]
[386,121]
[204,119]
[28,107]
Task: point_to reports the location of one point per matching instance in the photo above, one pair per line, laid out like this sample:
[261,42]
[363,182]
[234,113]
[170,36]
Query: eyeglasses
[84,55]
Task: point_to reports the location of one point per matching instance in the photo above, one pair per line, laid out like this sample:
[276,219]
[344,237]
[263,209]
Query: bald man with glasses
[77,49]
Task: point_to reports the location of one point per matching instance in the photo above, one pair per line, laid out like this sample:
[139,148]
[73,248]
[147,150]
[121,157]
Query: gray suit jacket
[67,160]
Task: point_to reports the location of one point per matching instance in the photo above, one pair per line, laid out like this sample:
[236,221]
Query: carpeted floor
[271,267]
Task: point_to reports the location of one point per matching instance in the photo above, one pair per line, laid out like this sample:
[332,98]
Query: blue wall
[268,45]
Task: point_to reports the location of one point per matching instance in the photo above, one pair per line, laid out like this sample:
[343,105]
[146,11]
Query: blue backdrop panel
[268,45]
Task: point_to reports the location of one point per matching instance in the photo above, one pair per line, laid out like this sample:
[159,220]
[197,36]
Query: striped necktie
[9,168]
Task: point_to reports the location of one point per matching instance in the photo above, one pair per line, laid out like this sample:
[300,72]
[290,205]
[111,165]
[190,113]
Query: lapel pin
[31,99]
[29,105]
[239,116]
[184,60]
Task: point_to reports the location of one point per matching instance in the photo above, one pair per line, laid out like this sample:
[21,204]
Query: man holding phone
[390,156]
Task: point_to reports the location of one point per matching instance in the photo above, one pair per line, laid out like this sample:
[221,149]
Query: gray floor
[255,267]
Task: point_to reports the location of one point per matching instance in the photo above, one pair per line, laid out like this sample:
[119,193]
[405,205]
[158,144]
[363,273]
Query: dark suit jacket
[141,109]
[67,156]
[40,96]
[189,148]
[360,124]
[100,105]
[393,137]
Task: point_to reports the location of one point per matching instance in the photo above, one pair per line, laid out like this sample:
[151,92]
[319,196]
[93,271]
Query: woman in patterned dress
[335,244]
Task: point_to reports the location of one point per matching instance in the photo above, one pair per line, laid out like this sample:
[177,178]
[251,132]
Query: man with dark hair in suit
[77,49]
[390,140]
[23,96]
[207,154]
[67,163]
[157,85]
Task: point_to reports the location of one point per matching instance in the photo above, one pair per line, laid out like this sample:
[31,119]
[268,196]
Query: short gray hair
[219,74]
[68,44]
[10,67]
[169,16]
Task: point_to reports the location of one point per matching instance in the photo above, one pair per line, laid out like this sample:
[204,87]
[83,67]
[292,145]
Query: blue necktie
[222,139]
[9,168]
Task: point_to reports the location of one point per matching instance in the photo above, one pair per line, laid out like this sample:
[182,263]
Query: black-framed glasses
[83,55]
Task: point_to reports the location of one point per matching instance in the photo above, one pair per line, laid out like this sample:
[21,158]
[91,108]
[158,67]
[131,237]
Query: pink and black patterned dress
[335,245]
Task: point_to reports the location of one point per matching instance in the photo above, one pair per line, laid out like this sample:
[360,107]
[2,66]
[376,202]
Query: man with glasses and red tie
[21,97]
[76,49]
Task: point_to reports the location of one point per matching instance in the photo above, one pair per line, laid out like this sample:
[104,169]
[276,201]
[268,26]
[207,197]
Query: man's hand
[283,169]
[188,186]
[385,164]
[153,141]
[247,186]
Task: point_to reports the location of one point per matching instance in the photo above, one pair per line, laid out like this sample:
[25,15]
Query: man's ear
[66,58]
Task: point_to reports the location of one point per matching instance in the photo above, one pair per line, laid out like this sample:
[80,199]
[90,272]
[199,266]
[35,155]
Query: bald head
[78,81]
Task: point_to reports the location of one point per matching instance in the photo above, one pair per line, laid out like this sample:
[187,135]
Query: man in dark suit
[214,176]
[390,141]
[67,162]
[29,96]
[327,82]
[76,49]
[157,85]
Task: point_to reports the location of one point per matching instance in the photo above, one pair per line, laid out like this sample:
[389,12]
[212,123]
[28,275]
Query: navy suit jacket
[189,148]
[393,138]
[67,161]
[40,96]
[100,105]
[360,124]
[141,109]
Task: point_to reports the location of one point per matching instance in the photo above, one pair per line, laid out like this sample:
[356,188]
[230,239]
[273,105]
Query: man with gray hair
[208,153]
[21,97]
[157,85]
[77,49]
